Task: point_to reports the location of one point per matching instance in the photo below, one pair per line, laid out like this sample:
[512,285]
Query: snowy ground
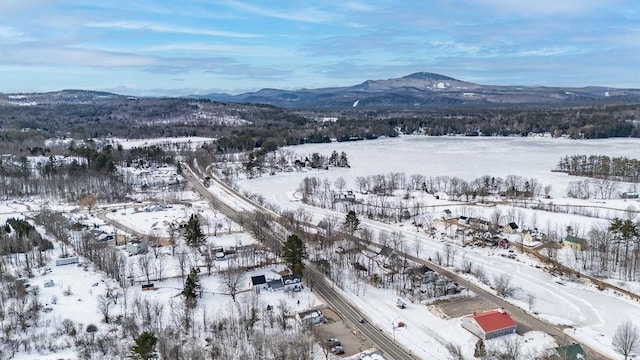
[594,314]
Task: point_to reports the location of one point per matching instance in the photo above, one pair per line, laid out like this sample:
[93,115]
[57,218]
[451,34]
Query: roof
[570,352]
[275,284]
[310,314]
[258,280]
[575,240]
[386,251]
[493,320]
[290,279]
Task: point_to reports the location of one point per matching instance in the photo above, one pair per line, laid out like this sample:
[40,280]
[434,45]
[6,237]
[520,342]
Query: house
[387,252]
[575,242]
[489,324]
[258,283]
[570,352]
[630,195]
[136,246]
[291,283]
[275,285]
[311,317]
[510,228]
[446,214]
[480,224]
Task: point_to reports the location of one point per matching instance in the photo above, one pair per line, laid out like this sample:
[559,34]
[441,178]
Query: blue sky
[178,47]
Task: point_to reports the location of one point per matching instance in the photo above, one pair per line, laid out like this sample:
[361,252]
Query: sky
[161,47]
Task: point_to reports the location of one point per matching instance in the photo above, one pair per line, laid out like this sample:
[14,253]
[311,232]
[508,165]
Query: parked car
[338,350]
[333,342]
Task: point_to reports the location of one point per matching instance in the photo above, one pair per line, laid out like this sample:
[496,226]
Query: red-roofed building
[489,324]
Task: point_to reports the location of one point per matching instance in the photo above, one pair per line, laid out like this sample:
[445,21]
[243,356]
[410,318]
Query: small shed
[67,261]
[446,214]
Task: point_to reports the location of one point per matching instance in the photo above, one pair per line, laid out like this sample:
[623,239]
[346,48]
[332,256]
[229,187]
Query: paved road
[319,284]
[349,313]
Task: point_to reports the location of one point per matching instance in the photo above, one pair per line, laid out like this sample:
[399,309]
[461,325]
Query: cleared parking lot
[352,341]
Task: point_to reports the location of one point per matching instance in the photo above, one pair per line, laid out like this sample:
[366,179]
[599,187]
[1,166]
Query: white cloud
[134,25]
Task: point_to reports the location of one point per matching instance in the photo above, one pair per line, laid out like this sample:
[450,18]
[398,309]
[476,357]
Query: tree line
[601,167]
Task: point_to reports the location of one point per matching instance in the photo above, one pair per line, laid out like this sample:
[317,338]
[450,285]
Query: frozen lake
[464,157]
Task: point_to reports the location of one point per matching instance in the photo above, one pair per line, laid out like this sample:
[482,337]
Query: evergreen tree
[351,222]
[343,162]
[191,285]
[144,348]
[193,234]
[295,251]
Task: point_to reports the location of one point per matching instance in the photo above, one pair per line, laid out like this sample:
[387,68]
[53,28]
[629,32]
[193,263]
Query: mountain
[423,90]
[60,97]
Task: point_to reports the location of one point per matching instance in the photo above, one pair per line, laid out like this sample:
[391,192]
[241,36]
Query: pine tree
[351,222]
[295,251]
[193,234]
[144,348]
[191,285]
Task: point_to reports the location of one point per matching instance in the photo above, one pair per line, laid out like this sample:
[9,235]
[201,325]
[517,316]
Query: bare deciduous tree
[284,311]
[503,287]
[455,351]
[104,306]
[144,263]
[155,242]
[232,280]
[626,339]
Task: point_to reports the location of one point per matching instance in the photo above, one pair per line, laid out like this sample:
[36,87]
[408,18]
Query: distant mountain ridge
[421,90]
[424,89]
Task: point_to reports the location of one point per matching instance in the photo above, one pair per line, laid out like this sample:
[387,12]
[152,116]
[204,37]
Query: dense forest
[243,127]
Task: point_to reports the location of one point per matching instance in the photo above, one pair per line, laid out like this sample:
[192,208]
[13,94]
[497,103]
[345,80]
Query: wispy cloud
[147,26]
[305,14]
[228,49]
[544,7]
